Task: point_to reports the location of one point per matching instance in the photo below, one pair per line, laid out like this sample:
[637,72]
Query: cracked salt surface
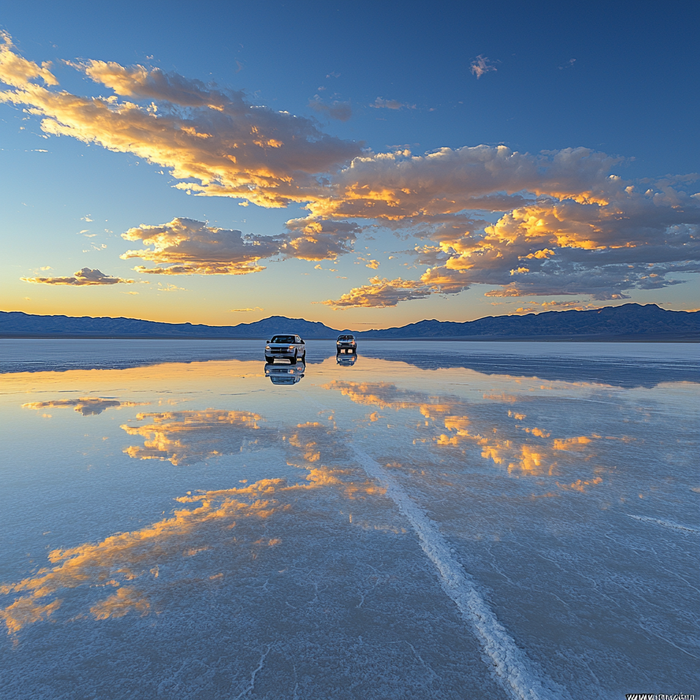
[422,524]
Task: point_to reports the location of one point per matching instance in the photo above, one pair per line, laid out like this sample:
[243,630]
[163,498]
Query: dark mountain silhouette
[625,322]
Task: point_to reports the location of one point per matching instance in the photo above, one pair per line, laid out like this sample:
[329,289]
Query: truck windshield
[283,339]
[346,337]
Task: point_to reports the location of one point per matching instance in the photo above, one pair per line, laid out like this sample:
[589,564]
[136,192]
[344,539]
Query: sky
[362,164]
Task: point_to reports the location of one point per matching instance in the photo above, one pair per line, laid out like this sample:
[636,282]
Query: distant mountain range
[625,322]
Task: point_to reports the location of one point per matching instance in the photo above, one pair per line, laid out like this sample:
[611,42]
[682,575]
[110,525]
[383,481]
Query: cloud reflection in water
[204,524]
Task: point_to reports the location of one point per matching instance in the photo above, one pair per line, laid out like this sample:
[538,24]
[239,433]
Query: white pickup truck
[287,347]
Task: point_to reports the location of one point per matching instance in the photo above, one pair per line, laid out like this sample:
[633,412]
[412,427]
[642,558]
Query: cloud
[381,103]
[190,247]
[318,239]
[538,307]
[240,311]
[82,278]
[610,242]
[552,223]
[380,293]
[342,111]
[481,65]
[187,246]
[219,142]
[396,186]
[18,71]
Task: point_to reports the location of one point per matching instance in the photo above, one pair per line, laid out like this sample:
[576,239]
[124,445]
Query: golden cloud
[567,224]
[18,71]
[82,278]
[221,143]
[189,247]
[380,293]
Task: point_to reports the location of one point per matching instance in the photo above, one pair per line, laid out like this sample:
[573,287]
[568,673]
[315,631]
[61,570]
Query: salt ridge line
[510,664]
[665,523]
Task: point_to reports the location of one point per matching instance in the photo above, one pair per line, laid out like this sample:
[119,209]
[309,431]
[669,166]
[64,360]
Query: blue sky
[581,194]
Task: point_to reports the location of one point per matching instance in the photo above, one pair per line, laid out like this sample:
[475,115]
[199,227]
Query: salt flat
[436,520]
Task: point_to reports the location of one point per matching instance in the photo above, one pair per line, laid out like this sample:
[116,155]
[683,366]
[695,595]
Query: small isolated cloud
[342,111]
[380,293]
[482,65]
[538,307]
[82,278]
[381,103]
[242,311]
[169,288]
[568,64]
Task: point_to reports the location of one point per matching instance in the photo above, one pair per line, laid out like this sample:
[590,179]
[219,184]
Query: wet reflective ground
[432,520]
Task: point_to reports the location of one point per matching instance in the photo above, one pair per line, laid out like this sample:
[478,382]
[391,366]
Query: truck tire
[293,360]
[269,359]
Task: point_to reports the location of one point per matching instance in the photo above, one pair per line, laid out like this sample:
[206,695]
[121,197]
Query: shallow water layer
[427,520]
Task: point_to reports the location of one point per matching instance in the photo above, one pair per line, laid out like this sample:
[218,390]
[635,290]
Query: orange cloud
[18,71]
[380,293]
[220,143]
[568,225]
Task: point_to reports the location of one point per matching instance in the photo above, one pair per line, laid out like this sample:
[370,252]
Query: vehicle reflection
[285,374]
[346,360]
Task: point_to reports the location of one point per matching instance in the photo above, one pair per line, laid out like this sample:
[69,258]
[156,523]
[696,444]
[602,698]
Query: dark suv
[345,343]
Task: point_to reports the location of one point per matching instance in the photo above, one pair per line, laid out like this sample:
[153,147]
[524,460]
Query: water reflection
[138,568]
[501,437]
[284,373]
[615,364]
[188,437]
[584,363]
[261,521]
[346,360]
[88,406]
